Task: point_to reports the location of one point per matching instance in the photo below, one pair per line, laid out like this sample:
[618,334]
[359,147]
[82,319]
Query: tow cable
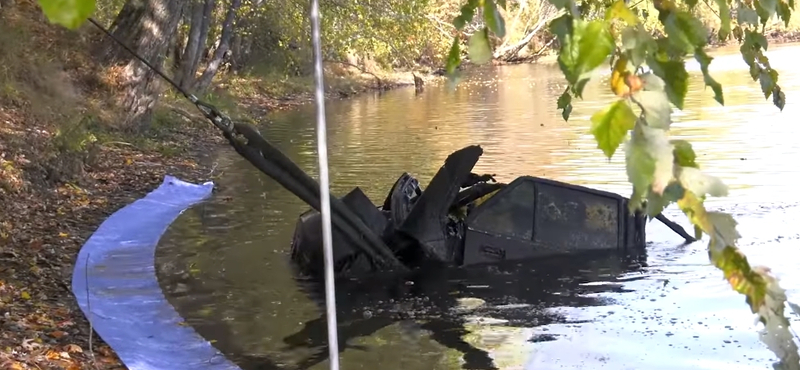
[256,150]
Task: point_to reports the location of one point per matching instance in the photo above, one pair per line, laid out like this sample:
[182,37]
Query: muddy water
[224,264]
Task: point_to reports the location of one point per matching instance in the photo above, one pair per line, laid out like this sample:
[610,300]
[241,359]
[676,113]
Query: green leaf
[656,108]
[68,13]
[684,31]
[784,12]
[768,80]
[724,19]
[561,27]
[611,125]
[637,42]
[778,98]
[620,10]
[639,166]
[467,13]
[683,154]
[582,50]
[724,227]
[755,40]
[478,47]
[700,184]
[493,18]
[648,160]
[765,9]
[454,56]
[652,82]
[698,232]
[746,15]
[565,104]
[674,191]
[675,77]
[657,203]
[704,60]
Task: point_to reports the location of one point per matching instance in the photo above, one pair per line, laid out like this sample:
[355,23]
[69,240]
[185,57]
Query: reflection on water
[224,264]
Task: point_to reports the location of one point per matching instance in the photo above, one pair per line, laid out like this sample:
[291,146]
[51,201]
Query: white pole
[324,190]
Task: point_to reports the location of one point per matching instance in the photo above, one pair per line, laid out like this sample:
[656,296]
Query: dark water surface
[224,264]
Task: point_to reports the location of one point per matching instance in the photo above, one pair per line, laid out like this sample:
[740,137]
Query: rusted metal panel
[534,217]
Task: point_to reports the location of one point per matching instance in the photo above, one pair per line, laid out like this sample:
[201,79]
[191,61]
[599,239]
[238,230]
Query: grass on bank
[50,80]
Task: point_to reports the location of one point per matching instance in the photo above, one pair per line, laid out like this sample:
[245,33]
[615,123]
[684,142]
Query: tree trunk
[146,26]
[6,4]
[178,42]
[176,48]
[222,49]
[198,34]
[236,51]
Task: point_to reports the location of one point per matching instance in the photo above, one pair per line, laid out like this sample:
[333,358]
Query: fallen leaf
[73,348]
[13,366]
[105,351]
[58,334]
[36,245]
[63,235]
[25,295]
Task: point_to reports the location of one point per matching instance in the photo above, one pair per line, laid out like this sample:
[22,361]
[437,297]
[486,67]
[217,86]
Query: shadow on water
[224,264]
[441,301]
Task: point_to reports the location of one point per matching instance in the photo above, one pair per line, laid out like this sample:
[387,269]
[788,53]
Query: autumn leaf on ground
[58,334]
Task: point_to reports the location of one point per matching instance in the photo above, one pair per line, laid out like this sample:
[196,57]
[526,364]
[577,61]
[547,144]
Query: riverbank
[65,167]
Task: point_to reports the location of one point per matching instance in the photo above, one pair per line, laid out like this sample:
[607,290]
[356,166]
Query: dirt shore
[44,223]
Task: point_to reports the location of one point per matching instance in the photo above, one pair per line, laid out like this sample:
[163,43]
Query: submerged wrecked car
[464,219]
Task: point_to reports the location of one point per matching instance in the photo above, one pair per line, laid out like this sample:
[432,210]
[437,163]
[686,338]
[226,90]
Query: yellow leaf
[63,235]
[25,295]
[623,82]
[694,209]
[128,161]
[618,86]
[621,11]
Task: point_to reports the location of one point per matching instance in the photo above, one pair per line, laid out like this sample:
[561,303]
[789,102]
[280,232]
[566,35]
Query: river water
[224,264]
